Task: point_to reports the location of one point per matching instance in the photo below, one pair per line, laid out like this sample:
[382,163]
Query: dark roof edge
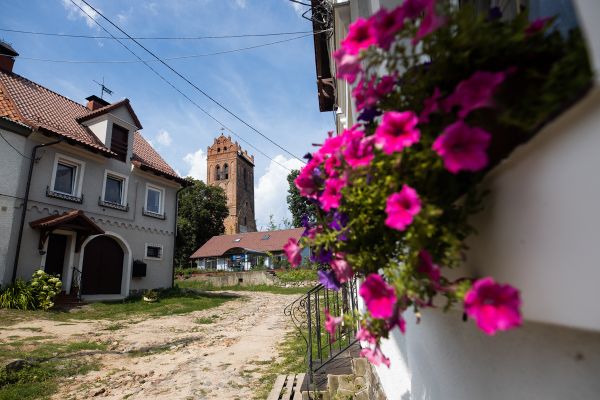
[15,126]
[146,167]
[110,107]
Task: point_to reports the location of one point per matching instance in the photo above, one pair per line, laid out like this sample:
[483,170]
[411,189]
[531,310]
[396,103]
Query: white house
[538,232]
[82,193]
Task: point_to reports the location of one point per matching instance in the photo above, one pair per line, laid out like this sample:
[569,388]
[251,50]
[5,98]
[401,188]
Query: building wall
[14,165]
[538,232]
[240,196]
[132,226]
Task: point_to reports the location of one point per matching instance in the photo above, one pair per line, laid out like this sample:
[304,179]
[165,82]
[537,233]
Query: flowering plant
[442,95]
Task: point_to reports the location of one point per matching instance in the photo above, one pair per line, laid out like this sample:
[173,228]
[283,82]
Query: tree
[298,205]
[202,210]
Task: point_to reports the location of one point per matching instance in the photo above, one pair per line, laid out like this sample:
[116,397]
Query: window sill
[115,206]
[153,215]
[63,196]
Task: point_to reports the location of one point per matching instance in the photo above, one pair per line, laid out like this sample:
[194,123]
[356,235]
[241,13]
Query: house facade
[82,193]
[246,250]
[538,233]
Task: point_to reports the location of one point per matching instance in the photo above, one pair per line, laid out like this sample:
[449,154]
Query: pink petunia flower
[341,267]
[385,86]
[430,23]
[475,92]
[380,298]
[292,251]
[463,148]
[331,324]
[538,25]
[401,208]
[348,65]
[431,105]
[308,181]
[375,356]
[360,36]
[493,306]
[364,335]
[358,149]
[386,24]
[396,131]
[332,195]
[427,267]
[414,8]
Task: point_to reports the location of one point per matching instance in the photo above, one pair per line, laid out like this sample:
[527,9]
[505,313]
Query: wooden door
[102,268]
[55,254]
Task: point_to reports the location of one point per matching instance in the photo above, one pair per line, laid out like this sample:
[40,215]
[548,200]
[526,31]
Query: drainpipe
[175,235]
[25,201]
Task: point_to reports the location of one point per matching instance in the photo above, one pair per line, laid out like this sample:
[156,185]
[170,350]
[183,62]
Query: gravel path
[178,357]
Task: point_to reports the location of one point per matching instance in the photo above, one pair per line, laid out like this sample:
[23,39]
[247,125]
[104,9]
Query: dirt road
[212,354]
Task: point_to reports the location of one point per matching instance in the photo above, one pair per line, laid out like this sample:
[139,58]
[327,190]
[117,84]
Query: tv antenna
[103,89]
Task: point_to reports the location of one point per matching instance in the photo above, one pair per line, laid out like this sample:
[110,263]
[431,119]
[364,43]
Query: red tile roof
[38,107]
[254,241]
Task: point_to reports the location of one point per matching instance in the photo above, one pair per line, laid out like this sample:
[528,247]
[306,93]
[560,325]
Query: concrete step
[287,387]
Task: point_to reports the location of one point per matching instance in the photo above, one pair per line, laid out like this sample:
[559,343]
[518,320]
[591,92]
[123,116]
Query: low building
[244,251]
[82,193]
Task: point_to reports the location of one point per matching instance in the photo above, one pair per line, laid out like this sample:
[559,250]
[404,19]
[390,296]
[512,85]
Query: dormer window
[119,140]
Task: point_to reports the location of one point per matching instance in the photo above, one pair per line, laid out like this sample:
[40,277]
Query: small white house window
[114,190]
[67,178]
[154,201]
[64,180]
[153,251]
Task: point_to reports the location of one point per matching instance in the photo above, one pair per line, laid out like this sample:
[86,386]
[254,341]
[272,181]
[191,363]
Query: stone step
[287,387]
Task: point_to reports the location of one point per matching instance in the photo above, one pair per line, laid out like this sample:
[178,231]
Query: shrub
[39,293]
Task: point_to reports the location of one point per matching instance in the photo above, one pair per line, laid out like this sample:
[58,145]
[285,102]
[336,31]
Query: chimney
[7,57]
[95,102]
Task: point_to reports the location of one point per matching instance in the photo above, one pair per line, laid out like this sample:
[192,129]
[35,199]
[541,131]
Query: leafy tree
[297,204]
[202,210]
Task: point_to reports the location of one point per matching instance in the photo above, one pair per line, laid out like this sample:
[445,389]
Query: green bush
[297,275]
[18,296]
[37,294]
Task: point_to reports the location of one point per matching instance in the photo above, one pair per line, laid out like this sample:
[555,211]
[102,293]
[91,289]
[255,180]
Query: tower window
[218,173]
[226,171]
[218,149]
[245,221]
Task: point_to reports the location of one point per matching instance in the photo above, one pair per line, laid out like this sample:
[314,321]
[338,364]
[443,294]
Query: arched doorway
[102,267]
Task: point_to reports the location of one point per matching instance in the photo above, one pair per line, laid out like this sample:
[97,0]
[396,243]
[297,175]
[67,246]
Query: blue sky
[273,88]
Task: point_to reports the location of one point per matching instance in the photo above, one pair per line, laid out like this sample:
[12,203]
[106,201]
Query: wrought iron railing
[308,315]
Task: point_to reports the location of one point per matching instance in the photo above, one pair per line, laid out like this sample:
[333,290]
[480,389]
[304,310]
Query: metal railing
[308,315]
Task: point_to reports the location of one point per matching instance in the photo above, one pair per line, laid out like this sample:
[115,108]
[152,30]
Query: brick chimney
[7,57]
[95,102]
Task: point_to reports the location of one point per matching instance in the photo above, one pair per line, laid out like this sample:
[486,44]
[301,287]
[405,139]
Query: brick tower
[231,168]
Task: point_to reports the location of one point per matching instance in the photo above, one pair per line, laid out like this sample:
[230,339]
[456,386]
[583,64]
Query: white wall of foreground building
[539,232]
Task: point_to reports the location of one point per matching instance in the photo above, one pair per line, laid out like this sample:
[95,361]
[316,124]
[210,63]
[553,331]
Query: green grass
[171,302]
[291,360]
[200,285]
[49,361]
[297,275]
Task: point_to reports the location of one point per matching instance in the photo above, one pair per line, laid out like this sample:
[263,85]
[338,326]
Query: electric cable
[81,36]
[164,59]
[13,147]
[182,93]
[189,81]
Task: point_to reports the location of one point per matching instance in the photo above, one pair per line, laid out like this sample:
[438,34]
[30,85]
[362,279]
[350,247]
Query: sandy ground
[219,360]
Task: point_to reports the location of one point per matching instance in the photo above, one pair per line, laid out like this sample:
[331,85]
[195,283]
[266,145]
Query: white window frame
[162,199]
[116,175]
[146,257]
[79,172]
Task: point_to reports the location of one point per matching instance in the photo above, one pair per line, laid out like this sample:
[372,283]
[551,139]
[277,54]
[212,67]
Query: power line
[190,82]
[13,147]
[180,92]
[166,58]
[81,36]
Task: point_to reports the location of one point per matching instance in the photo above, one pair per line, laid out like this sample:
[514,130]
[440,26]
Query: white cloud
[271,192]
[164,138]
[75,12]
[197,164]
[240,3]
